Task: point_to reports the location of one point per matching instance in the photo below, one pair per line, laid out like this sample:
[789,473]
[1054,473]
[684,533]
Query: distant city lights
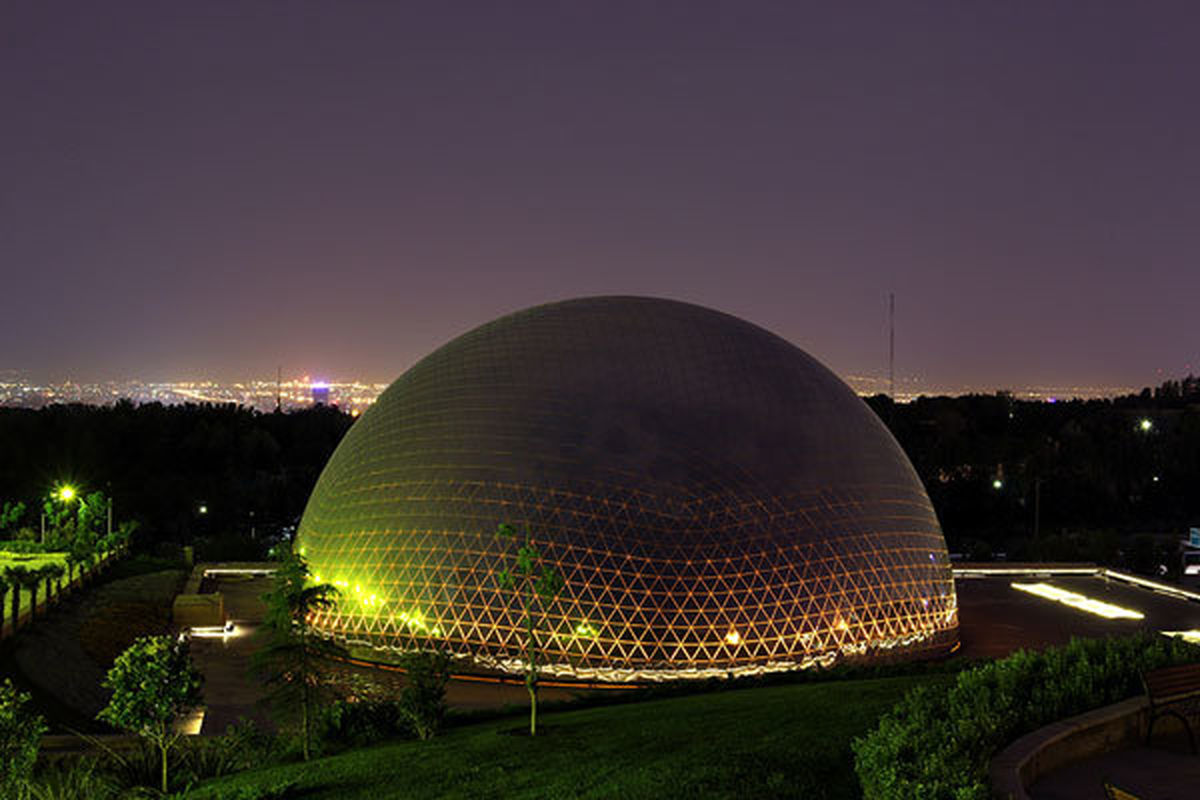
[352,397]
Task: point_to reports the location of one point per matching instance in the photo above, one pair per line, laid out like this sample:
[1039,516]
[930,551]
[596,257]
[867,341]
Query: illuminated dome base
[716,501]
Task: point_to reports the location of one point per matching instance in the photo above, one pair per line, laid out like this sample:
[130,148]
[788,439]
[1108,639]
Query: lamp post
[65,493]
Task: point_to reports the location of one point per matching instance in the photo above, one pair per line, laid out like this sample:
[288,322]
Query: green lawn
[782,741]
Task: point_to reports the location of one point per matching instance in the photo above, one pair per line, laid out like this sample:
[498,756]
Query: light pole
[65,493]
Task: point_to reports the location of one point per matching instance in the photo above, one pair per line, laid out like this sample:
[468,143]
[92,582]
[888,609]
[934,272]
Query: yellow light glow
[66,493]
[1079,601]
[1192,636]
[733,637]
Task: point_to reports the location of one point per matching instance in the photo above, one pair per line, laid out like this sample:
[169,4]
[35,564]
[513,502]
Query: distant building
[320,394]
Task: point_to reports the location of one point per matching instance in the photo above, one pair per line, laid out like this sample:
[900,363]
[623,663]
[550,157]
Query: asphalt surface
[995,619]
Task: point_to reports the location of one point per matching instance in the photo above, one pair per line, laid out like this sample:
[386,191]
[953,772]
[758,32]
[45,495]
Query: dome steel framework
[715,499]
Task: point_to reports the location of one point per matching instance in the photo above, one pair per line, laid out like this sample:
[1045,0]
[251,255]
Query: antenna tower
[892,345]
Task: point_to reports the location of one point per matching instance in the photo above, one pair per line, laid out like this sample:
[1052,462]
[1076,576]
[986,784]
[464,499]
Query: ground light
[1079,601]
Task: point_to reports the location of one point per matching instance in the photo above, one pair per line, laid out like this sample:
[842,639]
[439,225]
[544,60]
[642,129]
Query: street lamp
[64,493]
[997,484]
[1145,425]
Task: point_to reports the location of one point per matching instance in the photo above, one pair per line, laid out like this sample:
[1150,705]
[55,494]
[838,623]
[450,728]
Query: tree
[20,734]
[153,682]
[92,514]
[293,657]
[10,515]
[83,549]
[60,517]
[534,585]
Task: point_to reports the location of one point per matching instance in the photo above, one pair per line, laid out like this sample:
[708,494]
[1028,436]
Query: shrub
[24,546]
[935,744]
[423,700]
[360,722]
[20,735]
[78,781]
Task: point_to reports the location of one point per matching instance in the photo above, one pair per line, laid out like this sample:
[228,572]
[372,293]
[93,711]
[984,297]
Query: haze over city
[212,191]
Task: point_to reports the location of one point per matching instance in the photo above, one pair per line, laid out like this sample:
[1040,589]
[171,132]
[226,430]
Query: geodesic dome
[715,500]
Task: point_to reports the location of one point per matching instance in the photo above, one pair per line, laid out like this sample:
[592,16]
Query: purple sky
[218,188]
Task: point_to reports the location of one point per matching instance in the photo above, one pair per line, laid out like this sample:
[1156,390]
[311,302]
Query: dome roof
[714,498]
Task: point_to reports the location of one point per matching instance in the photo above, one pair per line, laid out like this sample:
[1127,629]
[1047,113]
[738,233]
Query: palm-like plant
[51,573]
[4,586]
[292,661]
[31,580]
[18,579]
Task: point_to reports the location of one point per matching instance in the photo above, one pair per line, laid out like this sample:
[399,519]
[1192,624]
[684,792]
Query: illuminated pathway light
[1079,601]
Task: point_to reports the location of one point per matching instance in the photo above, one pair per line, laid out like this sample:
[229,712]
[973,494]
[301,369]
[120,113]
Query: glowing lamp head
[66,493]
[997,484]
[1146,425]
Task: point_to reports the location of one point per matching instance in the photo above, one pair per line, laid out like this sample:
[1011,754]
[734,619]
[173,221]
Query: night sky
[221,188]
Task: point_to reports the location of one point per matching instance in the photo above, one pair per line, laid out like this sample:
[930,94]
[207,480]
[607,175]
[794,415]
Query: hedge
[936,743]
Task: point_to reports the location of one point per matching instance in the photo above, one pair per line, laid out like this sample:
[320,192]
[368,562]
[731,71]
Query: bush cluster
[936,743]
[25,546]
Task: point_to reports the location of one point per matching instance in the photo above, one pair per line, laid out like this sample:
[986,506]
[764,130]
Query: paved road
[230,691]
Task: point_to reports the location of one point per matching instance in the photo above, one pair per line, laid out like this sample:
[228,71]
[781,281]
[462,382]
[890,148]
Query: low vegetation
[774,741]
[936,744]
[153,683]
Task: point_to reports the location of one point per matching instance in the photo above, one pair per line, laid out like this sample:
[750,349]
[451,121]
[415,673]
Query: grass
[777,741]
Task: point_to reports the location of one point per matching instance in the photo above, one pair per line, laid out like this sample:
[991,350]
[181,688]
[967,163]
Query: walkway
[1166,771]
[230,691]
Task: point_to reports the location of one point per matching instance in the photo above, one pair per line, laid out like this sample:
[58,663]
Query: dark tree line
[191,474]
[1055,480]
[1075,478]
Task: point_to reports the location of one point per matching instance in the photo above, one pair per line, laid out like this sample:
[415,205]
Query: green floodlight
[66,493]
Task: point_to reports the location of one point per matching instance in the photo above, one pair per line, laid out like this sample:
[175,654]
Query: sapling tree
[293,660]
[20,734]
[423,699]
[153,683]
[534,584]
